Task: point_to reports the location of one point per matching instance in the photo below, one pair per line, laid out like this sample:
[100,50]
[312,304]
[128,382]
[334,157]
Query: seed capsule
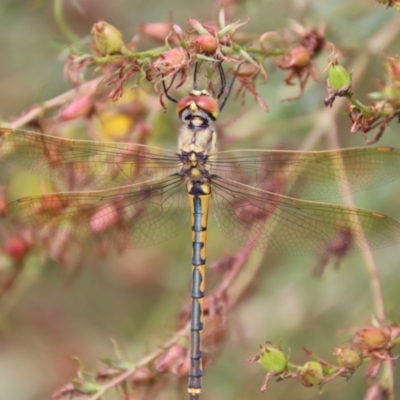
[272,359]
[107,38]
[338,77]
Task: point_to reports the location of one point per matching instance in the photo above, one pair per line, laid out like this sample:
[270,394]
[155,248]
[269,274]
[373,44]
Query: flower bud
[142,376]
[86,387]
[297,58]
[206,44]
[104,218]
[392,88]
[338,77]
[372,338]
[107,38]
[272,359]
[300,57]
[172,359]
[347,358]
[16,248]
[3,206]
[79,107]
[247,70]
[393,68]
[392,95]
[177,29]
[156,30]
[312,374]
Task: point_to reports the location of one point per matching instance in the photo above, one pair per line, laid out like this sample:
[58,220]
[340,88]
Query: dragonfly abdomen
[199,196]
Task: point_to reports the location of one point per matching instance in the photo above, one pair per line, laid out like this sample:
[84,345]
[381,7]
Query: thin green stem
[357,103]
[157,52]
[62,24]
[255,50]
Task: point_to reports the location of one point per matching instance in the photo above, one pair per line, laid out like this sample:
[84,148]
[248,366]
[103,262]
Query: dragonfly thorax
[197,141]
[194,169]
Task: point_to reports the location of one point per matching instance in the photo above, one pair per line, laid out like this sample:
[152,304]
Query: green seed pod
[312,374]
[338,77]
[347,358]
[107,38]
[272,359]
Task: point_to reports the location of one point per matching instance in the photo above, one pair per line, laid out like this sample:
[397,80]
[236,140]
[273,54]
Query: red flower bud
[16,248]
[372,338]
[206,44]
[79,107]
[158,31]
[298,57]
[172,360]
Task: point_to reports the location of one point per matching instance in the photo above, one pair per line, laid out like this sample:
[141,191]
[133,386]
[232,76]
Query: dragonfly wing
[134,215]
[79,164]
[309,175]
[280,224]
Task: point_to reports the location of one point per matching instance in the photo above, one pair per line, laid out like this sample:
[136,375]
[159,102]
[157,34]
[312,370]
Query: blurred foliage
[125,306]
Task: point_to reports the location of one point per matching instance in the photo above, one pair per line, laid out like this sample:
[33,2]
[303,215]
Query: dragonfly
[138,195]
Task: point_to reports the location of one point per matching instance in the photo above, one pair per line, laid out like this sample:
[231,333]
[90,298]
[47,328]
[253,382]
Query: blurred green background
[134,298]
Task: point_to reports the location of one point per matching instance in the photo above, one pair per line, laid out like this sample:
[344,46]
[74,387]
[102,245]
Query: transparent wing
[309,175]
[135,215]
[80,164]
[280,224]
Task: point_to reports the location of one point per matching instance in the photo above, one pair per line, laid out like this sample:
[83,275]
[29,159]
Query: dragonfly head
[198,109]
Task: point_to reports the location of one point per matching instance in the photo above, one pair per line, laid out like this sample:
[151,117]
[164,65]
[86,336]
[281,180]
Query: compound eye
[185,103]
[208,104]
[198,101]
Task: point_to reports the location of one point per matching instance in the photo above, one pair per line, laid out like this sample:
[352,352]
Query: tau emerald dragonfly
[141,195]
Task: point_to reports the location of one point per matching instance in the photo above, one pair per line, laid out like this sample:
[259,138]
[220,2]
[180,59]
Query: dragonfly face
[137,195]
[198,111]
